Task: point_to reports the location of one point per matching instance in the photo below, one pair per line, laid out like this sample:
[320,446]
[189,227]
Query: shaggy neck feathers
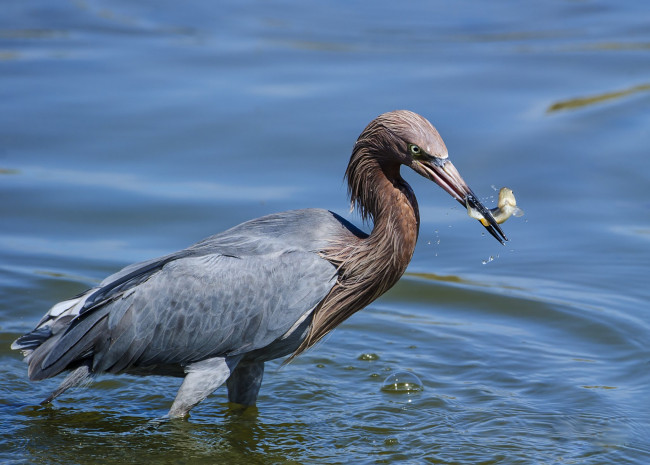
[369,266]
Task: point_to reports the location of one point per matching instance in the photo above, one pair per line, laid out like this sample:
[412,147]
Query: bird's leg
[201,380]
[244,383]
[76,377]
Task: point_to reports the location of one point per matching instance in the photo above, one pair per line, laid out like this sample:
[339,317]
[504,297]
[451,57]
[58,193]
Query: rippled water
[129,130]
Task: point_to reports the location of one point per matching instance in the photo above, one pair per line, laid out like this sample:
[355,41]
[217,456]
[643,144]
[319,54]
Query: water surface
[132,130]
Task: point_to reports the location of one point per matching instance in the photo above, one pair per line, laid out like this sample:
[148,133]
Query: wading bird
[268,288]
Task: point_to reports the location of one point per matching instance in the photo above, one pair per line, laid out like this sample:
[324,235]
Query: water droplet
[402,382]
[490,259]
[368,357]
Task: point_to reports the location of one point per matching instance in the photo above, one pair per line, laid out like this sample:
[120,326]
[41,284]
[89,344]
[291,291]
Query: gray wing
[201,307]
[196,308]
[230,294]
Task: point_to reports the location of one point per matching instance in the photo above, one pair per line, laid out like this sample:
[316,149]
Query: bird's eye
[414,149]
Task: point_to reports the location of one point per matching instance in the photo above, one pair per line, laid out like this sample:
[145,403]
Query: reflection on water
[579,102]
[461,280]
[45,34]
[491,363]
[111,438]
[129,131]
[618,46]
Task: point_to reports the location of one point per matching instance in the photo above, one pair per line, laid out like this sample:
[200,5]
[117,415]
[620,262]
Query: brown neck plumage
[369,266]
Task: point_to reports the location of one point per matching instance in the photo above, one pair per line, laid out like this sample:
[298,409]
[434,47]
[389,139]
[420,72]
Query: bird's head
[405,138]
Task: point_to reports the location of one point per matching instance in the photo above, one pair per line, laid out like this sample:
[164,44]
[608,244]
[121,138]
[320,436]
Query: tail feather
[32,340]
[67,349]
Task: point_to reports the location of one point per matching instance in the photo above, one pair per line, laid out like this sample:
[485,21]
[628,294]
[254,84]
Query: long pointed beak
[444,173]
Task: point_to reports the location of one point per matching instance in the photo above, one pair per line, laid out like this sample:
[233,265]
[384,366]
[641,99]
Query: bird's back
[233,293]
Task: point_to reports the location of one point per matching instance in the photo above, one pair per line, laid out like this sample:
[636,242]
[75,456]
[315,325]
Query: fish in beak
[444,173]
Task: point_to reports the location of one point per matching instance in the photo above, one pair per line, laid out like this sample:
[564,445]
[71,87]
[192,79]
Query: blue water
[129,130]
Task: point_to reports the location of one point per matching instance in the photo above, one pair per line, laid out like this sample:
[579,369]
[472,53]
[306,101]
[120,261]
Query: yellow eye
[414,149]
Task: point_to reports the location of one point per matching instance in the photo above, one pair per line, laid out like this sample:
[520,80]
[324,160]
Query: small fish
[506,207]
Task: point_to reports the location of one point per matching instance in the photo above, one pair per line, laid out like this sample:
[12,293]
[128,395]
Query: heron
[271,287]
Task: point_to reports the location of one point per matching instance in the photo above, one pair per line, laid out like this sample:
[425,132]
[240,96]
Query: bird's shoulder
[311,230]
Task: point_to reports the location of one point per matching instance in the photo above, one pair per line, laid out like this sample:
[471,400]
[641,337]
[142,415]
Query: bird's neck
[371,265]
[391,205]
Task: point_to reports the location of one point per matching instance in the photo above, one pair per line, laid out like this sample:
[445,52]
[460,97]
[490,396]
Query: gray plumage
[215,312]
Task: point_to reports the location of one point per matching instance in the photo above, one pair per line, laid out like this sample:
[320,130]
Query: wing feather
[201,307]
[229,294]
